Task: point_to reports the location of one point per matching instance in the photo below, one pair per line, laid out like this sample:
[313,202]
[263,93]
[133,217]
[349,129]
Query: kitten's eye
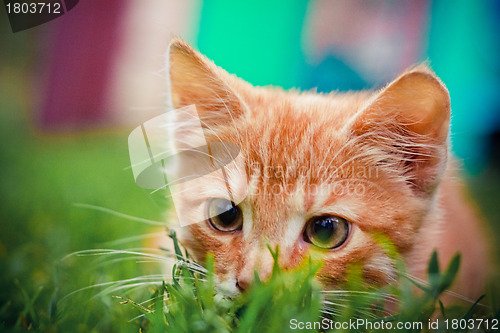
[326,232]
[224,215]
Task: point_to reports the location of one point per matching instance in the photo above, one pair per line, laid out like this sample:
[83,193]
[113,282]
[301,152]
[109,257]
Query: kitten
[320,175]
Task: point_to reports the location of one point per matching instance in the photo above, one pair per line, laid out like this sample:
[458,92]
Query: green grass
[191,304]
[42,177]
[41,224]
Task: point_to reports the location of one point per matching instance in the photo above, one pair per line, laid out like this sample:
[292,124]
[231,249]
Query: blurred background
[71,90]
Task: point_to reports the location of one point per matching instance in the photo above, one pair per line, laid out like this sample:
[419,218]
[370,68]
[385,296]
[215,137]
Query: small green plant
[190,304]
[291,301]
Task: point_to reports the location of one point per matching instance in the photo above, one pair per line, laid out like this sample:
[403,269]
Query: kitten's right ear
[193,79]
[410,119]
[417,101]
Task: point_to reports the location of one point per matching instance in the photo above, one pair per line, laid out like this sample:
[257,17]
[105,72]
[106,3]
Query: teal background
[261,42]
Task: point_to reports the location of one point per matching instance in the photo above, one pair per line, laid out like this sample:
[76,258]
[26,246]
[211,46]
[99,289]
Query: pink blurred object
[106,62]
[85,42]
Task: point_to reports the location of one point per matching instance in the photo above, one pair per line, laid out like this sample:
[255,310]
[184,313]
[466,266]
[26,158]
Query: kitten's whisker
[186,177]
[110,290]
[158,278]
[354,293]
[138,260]
[100,252]
[134,238]
[330,311]
[119,285]
[447,292]
[368,314]
[115,213]
[161,258]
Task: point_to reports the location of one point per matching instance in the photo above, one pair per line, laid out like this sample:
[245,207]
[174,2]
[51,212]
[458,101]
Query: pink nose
[258,259]
[242,285]
[245,278]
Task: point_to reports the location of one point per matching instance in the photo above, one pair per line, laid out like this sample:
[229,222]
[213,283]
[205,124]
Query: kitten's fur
[399,133]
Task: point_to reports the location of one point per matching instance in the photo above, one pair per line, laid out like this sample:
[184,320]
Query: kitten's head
[317,175]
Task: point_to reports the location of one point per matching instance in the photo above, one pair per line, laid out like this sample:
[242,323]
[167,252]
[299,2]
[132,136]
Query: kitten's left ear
[194,79]
[414,111]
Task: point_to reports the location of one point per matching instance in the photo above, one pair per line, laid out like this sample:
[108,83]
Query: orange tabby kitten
[320,174]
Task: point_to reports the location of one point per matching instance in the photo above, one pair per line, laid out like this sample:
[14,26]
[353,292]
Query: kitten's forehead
[300,133]
[291,107]
[295,135]
[292,145]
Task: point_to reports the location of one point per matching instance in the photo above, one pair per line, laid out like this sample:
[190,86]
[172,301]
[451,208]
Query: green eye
[224,215]
[327,232]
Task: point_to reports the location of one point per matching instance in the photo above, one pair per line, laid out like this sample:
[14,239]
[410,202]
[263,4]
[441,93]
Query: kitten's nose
[256,260]
[246,276]
[242,285]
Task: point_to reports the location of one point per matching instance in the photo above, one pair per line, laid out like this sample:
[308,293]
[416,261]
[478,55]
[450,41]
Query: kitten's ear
[414,110]
[417,100]
[193,79]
